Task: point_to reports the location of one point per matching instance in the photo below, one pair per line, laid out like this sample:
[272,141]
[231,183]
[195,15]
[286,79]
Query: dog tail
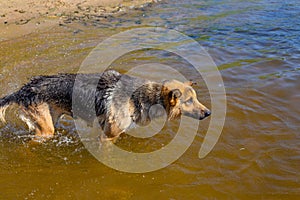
[5,102]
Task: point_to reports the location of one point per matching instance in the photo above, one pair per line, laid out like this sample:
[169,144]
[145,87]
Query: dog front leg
[111,132]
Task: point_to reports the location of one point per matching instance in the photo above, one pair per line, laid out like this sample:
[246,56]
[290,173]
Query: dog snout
[205,113]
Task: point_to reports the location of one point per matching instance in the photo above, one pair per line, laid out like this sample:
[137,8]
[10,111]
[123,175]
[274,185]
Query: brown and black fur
[118,102]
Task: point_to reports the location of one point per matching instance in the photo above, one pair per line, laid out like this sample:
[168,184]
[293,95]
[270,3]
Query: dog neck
[149,102]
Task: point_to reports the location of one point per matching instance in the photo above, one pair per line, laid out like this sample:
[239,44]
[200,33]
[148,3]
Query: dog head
[181,99]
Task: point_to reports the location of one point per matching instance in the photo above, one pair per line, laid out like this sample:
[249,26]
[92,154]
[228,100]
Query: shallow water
[256,47]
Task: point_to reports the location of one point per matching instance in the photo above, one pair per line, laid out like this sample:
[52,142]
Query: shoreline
[22,17]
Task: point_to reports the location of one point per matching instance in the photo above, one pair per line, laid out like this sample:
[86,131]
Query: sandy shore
[21,17]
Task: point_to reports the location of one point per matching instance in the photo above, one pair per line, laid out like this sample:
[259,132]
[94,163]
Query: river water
[256,47]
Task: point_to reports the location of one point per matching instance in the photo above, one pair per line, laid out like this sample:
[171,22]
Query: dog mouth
[196,115]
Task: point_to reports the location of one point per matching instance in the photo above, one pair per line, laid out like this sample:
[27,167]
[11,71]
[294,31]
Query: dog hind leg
[41,118]
[25,118]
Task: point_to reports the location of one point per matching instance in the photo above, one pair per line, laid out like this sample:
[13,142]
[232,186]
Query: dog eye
[189,101]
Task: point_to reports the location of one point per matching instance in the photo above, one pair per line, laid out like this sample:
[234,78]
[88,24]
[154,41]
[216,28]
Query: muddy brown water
[257,50]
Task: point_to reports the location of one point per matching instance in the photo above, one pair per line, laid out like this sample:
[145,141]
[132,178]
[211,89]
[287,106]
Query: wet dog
[117,101]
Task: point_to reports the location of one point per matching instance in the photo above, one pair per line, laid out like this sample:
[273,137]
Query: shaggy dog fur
[117,101]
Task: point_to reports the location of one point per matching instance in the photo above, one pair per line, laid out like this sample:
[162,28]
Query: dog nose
[207,113]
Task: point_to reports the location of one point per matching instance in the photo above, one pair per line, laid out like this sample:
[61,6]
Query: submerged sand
[21,17]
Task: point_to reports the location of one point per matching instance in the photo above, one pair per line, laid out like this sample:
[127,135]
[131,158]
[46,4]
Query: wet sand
[22,17]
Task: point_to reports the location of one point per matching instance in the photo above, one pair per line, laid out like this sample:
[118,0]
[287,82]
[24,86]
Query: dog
[118,101]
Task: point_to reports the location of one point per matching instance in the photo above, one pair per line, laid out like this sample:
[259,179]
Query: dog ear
[190,83]
[173,96]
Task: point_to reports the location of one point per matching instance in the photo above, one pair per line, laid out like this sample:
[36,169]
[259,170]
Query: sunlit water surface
[256,46]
